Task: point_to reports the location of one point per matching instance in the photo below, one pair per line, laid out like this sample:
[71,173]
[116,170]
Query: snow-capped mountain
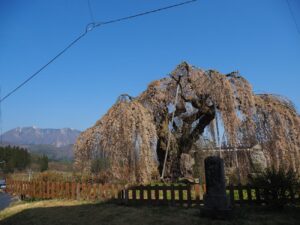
[56,143]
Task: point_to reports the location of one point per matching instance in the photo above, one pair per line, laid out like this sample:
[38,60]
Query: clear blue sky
[256,37]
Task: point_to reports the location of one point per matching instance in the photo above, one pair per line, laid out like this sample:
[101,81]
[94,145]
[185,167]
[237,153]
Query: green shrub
[276,185]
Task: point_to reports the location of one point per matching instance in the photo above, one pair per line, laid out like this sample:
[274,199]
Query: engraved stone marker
[216,203]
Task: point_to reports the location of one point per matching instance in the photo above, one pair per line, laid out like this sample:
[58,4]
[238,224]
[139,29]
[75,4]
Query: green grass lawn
[54,212]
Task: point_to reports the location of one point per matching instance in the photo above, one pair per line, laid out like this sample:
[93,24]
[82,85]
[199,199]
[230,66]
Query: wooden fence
[64,190]
[171,195]
[192,195]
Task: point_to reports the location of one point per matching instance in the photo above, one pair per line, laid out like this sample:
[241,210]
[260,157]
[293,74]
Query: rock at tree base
[216,204]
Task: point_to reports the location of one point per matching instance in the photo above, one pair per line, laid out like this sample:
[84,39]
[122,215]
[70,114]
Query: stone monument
[216,203]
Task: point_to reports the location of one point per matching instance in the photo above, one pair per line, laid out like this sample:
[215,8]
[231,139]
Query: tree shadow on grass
[106,213]
[109,213]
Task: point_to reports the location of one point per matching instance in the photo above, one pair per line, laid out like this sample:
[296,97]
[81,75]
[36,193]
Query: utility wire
[91,11]
[293,16]
[144,13]
[0,117]
[42,68]
[90,27]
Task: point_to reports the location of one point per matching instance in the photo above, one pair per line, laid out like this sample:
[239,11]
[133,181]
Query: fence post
[197,193]
[142,188]
[52,189]
[204,188]
[67,193]
[88,190]
[24,188]
[231,194]
[249,193]
[120,195]
[60,190]
[105,191]
[78,191]
[99,192]
[95,189]
[56,189]
[189,197]
[133,191]
[297,193]
[113,191]
[180,189]
[118,189]
[83,191]
[156,188]
[29,189]
[13,186]
[241,197]
[16,187]
[40,189]
[44,190]
[266,196]
[126,195]
[257,195]
[7,185]
[73,191]
[34,189]
[292,194]
[165,196]
[20,188]
[149,197]
[172,195]
[37,189]
[63,190]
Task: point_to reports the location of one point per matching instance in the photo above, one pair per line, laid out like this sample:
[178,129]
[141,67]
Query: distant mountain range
[55,143]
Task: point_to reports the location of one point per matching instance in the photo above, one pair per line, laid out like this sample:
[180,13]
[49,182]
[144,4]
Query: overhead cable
[293,16]
[88,28]
[91,11]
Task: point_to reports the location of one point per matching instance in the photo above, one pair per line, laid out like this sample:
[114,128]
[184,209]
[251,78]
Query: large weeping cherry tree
[213,111]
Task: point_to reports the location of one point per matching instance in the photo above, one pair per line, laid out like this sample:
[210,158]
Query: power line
[1,117]
[144,13]
[293,16]
[43,67]
[90,27]
[91,11]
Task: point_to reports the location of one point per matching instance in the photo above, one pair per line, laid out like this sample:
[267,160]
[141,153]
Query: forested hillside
[14,158]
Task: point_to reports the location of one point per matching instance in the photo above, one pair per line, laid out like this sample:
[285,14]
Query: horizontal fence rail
[169,195]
